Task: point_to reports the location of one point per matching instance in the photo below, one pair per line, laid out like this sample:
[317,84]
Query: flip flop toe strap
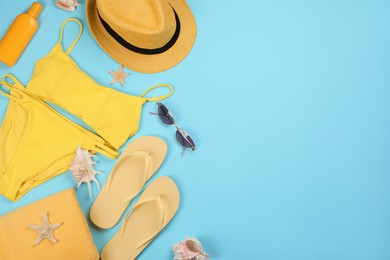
[146,157]
[152,199]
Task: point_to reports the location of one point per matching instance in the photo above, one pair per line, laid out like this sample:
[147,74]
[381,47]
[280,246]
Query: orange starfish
[119,76]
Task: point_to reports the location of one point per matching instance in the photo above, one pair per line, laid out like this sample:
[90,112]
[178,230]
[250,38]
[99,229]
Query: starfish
[45,230]
[119,76]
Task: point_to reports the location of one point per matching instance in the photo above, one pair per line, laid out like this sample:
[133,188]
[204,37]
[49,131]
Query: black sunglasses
[166,117]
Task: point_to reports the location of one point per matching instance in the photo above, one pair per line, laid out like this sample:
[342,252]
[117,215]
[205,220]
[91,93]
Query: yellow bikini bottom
[37,143]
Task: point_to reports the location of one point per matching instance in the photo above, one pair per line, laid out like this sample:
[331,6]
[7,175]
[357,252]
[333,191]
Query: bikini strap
[158,98]
[15,86]
[78,36]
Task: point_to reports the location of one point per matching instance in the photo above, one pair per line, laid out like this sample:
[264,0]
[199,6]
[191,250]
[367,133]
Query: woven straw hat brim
[146,63]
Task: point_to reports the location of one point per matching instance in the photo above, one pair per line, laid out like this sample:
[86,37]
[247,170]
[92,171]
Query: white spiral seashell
[83,170]
[68,5]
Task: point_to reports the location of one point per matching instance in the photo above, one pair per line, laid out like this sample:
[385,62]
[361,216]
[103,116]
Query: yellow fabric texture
[113,115]
[37,143]
[74,238]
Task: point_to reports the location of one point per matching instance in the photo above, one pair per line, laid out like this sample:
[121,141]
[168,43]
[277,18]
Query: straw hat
[143,35]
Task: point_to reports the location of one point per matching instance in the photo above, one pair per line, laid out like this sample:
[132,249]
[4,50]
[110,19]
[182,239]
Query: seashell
[82,169]
[68,5]
[189,249]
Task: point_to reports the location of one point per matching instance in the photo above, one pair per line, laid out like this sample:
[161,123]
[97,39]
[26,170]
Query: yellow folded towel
[74,241]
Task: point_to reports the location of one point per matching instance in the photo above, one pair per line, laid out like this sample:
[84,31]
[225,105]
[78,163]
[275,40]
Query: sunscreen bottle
[19,35]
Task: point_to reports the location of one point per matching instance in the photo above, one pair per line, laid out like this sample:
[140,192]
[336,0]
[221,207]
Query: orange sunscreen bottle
[19,35]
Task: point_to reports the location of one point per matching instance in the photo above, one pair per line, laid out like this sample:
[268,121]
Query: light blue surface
[288,102]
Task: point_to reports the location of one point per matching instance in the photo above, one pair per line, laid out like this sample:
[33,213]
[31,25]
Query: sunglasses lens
[184,139]
[163,113]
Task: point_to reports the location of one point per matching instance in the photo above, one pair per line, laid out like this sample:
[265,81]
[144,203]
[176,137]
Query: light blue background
[288,102]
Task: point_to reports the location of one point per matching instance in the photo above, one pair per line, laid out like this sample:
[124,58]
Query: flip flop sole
[144,221]
[128,179]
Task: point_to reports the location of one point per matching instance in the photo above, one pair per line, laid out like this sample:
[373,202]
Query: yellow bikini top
[113,115]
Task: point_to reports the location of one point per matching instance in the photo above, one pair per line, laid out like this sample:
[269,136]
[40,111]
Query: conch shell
[189,249]
[82,169]
[68,5]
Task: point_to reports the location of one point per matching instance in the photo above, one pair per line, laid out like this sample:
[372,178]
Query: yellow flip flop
[143,222]
[136,165]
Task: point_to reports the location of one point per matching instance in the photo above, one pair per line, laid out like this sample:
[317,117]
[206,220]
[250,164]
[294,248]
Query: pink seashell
[68,5]
[189,249]
[82,169]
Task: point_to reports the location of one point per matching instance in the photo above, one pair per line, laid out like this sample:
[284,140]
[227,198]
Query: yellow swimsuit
[37,143]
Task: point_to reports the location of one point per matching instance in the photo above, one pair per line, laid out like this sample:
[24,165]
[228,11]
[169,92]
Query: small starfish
[45,230]
[119,76]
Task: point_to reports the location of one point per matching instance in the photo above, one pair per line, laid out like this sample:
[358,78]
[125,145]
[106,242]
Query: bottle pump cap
[35,9]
